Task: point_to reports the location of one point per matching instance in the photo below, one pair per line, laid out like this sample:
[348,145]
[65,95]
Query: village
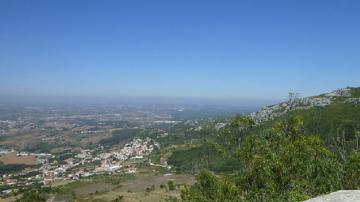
[49,171]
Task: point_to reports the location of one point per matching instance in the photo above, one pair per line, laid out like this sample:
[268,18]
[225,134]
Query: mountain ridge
[342,95]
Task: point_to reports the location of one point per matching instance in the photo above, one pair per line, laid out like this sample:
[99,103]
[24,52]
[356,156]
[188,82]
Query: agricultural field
[12,158]
[132,188]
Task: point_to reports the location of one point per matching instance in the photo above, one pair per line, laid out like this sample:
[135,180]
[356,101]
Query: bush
[208,187]
[118,199]
[149,189]
[171,185]
[281,165]
[352,171]
[32,196]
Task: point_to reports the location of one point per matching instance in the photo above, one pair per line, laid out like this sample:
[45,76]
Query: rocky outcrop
[339,196]
[295,103]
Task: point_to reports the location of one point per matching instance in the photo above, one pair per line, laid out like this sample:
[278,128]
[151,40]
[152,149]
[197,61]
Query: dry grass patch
[12,158]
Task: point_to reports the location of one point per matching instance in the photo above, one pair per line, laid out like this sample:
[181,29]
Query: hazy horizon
[131,100]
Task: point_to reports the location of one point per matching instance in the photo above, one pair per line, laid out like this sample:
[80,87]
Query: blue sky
[178,48]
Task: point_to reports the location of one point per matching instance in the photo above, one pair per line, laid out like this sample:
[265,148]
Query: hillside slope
[295,151]
[344,95]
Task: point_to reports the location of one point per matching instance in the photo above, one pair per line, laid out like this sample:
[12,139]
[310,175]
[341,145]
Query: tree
[357,136]
[289,126]
[352,171]
[171,185]
[281,165]
[237,128]
[31,196]
[340,143]
[291,166]
[209,188]
[213,148]
[118,199]
[74,197]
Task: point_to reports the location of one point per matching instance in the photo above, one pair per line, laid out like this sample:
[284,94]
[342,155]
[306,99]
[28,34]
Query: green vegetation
[41,147]
[236,130]
[171,185]
[149,189]
[336,124]
[355,92]
[3,138]
[118,199]
[209,187]
[119,136]
[111,180]
[63,156]
[280,163]
[32,196]
[12,168]
[208,156]
[352,171]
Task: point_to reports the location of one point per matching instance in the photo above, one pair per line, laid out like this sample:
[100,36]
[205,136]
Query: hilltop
[342,95]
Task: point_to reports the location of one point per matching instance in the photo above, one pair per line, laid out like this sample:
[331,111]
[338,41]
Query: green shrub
[171,185]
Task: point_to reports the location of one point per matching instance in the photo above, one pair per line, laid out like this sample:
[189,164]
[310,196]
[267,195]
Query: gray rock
[295,103]
[342,92]
[339,196]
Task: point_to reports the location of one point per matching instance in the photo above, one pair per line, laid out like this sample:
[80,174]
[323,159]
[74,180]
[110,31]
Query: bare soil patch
[12,158]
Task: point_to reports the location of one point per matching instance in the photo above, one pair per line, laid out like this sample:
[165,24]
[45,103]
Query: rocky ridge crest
[296,103]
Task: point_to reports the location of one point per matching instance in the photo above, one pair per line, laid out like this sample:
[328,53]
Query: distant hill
[347,95]
[334,116]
